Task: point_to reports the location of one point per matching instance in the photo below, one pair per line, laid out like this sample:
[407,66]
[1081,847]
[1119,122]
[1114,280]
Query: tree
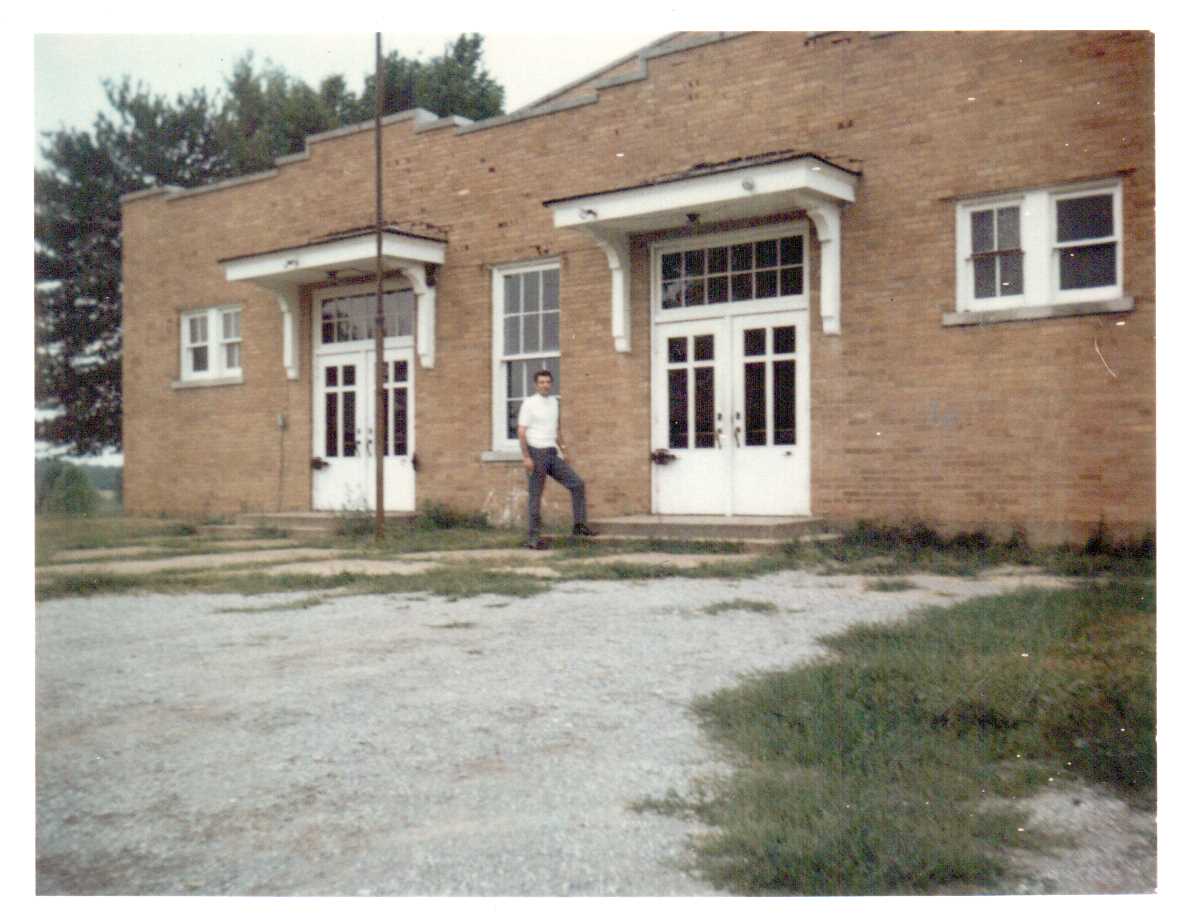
[189,141]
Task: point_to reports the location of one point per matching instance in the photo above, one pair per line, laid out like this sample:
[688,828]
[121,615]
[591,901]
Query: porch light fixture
[748,184]
[587,214]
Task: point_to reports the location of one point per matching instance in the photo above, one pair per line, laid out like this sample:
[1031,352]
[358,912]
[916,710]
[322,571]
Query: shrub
[69,492]
[437,516]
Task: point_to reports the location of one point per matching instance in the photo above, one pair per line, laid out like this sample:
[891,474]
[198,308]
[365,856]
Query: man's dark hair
[541,372]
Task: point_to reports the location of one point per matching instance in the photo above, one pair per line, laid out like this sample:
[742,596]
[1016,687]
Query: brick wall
[1000,425]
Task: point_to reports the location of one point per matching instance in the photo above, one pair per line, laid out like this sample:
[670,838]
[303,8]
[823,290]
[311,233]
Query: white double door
[731,409]
[346,448]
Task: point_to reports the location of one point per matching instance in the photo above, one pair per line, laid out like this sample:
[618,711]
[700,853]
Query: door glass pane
[717,289]
[784,402]
[672,294]
[1089,266]
[693,295]
[676,388]
[348,375]
[349,438]
[693,262]
[784,339]
[704,348]
[331,376]
[1085,217]
[766,284]
[386,412]
[331,424]
[671,266]
[704,406]
[400,421]
[754,341]
[741,287]
[754,403]
[676,349]
[717,260]
[742,257]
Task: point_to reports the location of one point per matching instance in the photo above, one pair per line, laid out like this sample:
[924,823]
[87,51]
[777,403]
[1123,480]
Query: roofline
[640,52]
[424,120]
[327,239]
[750,162]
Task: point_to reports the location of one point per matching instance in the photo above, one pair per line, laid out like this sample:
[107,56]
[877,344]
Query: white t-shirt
[540,416]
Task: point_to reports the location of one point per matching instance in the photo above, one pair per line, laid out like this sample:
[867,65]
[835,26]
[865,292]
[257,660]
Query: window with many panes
[346,318]
[741,272]
[211,344]
[1041,247]
[526,339]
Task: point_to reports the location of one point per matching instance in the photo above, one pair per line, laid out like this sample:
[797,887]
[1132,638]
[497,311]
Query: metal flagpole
[380,406]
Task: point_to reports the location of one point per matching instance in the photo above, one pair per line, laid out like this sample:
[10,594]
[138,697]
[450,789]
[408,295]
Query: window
[526,339]
[353,317]
[1042,247]
[211,344]
[763,269]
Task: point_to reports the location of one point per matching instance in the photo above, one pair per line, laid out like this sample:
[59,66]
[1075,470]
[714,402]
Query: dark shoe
[537,545]
[582,530]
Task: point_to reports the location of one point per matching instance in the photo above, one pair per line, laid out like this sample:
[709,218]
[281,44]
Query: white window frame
[801,301]
[501,443]
[217,364]
[1041,251]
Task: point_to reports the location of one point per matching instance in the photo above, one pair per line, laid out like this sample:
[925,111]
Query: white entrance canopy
[738,189]
[337,258]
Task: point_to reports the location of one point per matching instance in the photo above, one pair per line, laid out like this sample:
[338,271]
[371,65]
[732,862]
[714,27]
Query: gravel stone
[403,745]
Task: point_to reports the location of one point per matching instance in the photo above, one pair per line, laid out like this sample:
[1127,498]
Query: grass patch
[889,584]
[889,550]
[753,606]
[866,774]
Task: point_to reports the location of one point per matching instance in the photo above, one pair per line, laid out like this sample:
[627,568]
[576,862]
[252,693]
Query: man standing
[542,455]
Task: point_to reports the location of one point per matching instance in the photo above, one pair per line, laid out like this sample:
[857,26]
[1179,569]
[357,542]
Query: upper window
[346,318]
[211,344]
[526,339]
[1042,247]
[718,274]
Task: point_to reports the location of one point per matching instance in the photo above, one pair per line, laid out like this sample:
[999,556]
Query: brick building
[881,276]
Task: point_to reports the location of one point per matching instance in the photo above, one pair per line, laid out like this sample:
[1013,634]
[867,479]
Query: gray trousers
[547,462]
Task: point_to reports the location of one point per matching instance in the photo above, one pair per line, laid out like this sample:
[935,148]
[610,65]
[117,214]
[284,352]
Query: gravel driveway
[401,744]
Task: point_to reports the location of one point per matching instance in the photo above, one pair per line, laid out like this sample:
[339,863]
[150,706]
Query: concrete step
[711,527]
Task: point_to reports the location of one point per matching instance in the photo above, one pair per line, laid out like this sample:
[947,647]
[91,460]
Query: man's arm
[526,459]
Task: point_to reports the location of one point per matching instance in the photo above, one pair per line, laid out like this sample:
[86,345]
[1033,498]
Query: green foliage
[69,492]
[865,774]
[194,139]
[438,516]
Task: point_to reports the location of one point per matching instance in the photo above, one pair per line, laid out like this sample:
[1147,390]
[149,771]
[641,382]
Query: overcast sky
[69,68]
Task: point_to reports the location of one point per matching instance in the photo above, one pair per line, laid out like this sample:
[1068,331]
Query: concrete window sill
[1036,313]
[210,383]
[501,457]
